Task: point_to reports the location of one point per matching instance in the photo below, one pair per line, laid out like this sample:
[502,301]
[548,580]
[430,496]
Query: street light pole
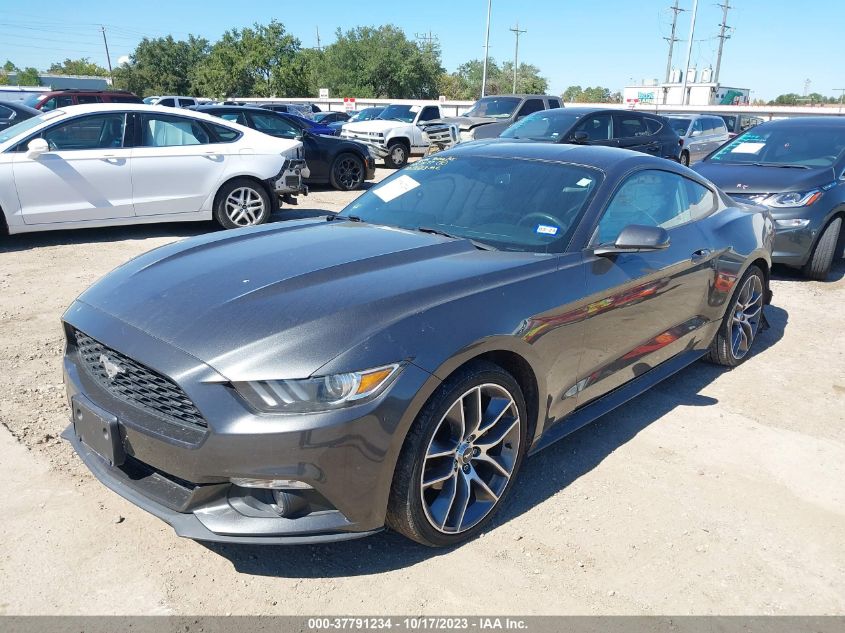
[486,50]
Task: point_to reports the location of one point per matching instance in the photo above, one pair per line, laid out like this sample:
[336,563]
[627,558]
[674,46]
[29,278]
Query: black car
[342,163]
[13,112]
[796,167]
[738,123]
[331,117]
[638,131]
[302,109]
[318,379]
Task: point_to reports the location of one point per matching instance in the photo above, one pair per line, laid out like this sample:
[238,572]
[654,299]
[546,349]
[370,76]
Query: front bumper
[181,475]
[375,146]
[291,179]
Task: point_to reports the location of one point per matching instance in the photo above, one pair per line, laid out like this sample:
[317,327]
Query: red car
[62,98]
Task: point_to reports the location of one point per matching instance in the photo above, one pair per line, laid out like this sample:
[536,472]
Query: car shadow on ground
[785,273]
[542,477]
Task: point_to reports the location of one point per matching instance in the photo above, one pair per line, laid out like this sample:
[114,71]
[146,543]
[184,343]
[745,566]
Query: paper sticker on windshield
[583,182]
[747,148]
[431,163]
[396,187]
[545,229]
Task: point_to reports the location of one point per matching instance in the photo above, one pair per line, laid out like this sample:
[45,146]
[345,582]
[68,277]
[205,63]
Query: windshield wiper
[337,216]
[479,245]
[784,165]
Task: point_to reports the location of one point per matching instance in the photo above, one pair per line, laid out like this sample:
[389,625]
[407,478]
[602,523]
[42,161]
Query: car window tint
[166,102]
[83,99]
[429,113]
[631,126]
[114,99]
[57,102]
[554,103]
[653,198]
[530,106]
[237,117]
[597,126]
[223,133]
[99,131]
[273,125]
[5,113]
[719,127]
[160,130]
[698,126]
[654,125]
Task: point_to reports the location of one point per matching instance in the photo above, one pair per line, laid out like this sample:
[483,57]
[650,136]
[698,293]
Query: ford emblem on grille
[111,367]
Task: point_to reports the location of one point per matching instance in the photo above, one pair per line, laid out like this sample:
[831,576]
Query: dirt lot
[718,492]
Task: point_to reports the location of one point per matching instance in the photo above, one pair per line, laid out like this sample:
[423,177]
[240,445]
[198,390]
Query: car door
[176,164]
[85,175]
[632,132]
[645,307]
[598,127]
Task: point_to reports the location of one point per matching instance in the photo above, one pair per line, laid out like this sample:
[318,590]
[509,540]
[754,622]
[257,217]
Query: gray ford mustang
[392,365]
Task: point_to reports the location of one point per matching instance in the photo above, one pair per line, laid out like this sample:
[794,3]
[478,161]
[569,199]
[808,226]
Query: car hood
[750,179]
[282,300]
[467,123]
[374,125]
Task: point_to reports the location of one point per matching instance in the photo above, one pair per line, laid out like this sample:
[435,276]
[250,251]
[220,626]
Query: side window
[631,126]
[99,131]
[160,130]
[429,113]
[653,125]
[56,102]
[236,117]
[719,127]
[166,102]
[653,198]
[273,125]
[529,107]
[554,103]
[186,103]
[697,128]
[113,99]
[83,99]
[597,126]
[6,113]
[223,133]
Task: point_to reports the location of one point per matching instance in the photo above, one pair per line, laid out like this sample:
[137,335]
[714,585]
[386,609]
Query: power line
[516,32]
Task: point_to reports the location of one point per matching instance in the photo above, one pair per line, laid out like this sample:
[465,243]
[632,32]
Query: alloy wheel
[470,458]
[244,206]
[348,173]
[397,154]
[745,320]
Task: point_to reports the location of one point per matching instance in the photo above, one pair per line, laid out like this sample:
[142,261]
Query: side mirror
[36,148]
[635,238]
[580,137]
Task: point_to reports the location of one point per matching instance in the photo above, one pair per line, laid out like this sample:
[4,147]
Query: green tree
[789,98]
[572,94]
[9,67]
[379,62]
[28,77]
[528,79]
[163,66]
[597,94]
[82,66]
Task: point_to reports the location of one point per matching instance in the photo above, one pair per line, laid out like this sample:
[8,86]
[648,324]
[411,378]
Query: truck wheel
[397,155]
[820,261]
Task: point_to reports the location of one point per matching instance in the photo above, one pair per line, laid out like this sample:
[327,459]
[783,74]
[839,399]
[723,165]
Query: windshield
[780,146]
[494,107]
[24,126]
[506,203]
[404,113]
[679,125]
[151,100]
[548,125]
[366,114]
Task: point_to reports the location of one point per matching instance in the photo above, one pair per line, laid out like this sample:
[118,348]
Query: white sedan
[115,164]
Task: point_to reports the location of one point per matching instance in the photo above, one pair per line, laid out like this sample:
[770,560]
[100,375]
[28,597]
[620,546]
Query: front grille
[136,384]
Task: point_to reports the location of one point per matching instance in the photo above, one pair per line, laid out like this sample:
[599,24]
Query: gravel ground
[717,492]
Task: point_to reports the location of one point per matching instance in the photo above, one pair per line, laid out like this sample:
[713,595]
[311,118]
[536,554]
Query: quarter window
[654,198]
[554,103]
[168,131]
[100,131]
[631,126]
[597,126]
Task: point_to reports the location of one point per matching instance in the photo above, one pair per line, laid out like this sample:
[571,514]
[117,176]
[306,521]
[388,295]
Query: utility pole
[723,35]
[841,92]
[319,47]
[672,39]
[427,38]
[516,32]
[684,97]
[486,50]
[108,57]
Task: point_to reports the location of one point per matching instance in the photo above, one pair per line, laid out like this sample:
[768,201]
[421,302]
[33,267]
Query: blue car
[313,126]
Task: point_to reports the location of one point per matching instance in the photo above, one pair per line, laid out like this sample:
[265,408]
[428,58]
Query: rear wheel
[741,323]
[685,158]
[397,155]
[460,458]
[241,202]
[347,172]
[822,258]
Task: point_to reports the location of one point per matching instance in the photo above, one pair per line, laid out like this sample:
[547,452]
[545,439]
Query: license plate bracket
[98,430]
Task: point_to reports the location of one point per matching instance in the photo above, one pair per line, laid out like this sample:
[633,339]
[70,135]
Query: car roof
[20,105]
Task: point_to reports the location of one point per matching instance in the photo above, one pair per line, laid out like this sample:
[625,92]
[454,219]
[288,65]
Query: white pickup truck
[403,130]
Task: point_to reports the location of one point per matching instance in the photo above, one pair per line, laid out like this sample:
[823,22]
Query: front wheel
[460,458]
[347,172]
[822,258]
[397,155]
[741,322]
[241,202]
[685,159]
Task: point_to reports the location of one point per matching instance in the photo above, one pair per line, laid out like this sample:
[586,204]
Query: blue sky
[776,44]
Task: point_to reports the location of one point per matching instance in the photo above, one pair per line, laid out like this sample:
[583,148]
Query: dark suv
[638,131]
[62,98]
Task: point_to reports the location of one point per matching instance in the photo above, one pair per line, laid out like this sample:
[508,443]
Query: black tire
[818,266]
[723,349]
[410,499]
[397,154]
[347,172]
[226,212]
[685,158]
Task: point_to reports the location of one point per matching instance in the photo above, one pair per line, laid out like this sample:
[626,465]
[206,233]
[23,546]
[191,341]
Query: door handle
[700,254]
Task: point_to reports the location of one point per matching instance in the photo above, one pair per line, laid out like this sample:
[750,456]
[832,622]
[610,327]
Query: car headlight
[321,393]
[792,199]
